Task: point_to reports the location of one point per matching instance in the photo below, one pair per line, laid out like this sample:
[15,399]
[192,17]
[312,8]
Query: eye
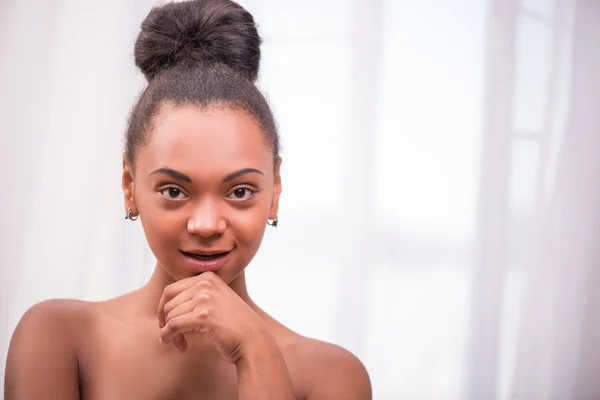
[242,193]
[172,193]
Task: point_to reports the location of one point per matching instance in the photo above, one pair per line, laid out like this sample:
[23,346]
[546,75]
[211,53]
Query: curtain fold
[559,349]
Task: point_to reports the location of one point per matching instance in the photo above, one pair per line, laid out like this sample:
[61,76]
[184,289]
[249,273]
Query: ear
[128,187]
[276,190]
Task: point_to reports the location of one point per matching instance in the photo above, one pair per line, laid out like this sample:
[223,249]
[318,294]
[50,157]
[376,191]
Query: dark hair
[201,52]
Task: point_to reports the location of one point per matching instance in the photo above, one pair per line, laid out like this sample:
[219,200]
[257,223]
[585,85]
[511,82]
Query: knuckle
[204,284]
[174,324]
[209,276]
[202,296]
[170,315]
[202,314]
[169,291]
[202,311]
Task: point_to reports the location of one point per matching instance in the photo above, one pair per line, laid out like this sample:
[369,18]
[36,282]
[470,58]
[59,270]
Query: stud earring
[130,216]
[273,222]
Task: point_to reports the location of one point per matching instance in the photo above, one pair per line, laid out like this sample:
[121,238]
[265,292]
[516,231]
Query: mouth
[206,261]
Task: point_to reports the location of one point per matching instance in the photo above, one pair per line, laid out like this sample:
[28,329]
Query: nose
[207,220]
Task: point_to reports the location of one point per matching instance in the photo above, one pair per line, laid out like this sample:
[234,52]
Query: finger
[176,302]
[185,323]
[183,308]
[170,292]
[200,292]
[180,343]
[213,280]
[211,277]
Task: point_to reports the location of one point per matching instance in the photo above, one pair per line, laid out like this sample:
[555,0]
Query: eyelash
[166,187]
[251,189]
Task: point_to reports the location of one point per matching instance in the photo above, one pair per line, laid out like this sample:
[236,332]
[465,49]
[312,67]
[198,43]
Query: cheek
[249,226]
[162,228]
[161,234]
[163,225]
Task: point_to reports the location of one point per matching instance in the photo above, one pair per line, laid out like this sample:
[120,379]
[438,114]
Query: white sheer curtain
[441,205]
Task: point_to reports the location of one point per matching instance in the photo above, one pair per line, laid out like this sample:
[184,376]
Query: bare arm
[42,363]
[263,374]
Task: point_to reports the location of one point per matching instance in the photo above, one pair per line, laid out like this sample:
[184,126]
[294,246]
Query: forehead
[213,140]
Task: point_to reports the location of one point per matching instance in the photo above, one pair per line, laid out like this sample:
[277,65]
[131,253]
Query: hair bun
[200,31]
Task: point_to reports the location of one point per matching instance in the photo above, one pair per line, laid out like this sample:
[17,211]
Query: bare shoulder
[60,306]
[56,315]
[61,321]
[329,371]
[42,356]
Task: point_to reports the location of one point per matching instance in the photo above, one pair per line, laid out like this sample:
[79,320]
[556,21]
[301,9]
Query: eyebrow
[241,172]
[183,177]
[172,173]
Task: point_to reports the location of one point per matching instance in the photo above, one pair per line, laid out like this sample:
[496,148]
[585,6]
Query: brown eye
[172,193]
[241,193]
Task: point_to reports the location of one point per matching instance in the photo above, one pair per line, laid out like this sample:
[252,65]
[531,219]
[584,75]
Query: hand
[207,305]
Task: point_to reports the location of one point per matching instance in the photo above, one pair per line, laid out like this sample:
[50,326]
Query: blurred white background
[441,207]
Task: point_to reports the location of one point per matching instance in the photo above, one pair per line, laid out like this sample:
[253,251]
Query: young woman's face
[204,187]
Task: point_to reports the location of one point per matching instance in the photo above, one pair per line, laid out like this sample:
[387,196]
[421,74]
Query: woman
[201,171]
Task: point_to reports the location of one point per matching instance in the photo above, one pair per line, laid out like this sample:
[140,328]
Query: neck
[153,290]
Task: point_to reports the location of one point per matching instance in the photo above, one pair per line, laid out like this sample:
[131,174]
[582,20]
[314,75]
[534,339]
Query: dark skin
[205,179]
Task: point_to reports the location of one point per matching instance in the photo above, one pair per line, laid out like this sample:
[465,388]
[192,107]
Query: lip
[207,265]
[207,252]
